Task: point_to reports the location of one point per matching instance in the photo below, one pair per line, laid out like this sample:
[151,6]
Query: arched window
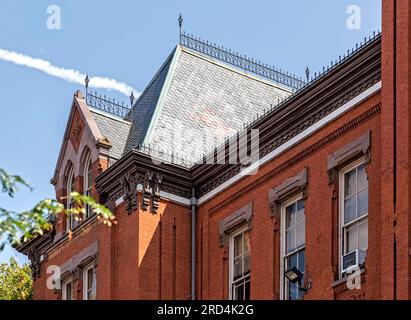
[71,221]
[88,182]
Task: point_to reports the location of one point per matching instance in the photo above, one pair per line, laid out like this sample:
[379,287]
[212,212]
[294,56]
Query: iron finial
[86,81]
[307,74]
[131,98]
[180,23]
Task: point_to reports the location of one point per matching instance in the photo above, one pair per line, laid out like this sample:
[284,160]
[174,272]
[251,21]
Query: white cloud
[69,75]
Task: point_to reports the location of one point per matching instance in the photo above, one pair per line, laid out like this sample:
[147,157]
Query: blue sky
[128,41]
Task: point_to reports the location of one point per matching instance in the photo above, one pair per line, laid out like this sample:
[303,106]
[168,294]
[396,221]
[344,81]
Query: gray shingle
[144,107]
[206,101]
[116,131]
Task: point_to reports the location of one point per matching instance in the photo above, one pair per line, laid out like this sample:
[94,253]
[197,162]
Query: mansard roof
[198,98]
[341,85]
[144,108]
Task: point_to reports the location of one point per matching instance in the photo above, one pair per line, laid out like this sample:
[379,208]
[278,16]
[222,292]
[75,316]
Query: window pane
[247,290]
[301,261]
[238,268]
[239,292]
[246,241]
[68,291]
[90,278]
[362,203]
[290,240]
[352,239]
[362,178]
[246,259]
[300,235]
[349,183]
[349,209]
[292,291]
[290,216]
[89,176]
[93,291]
[238,246]
[300,211]
[363,235]
[291,261]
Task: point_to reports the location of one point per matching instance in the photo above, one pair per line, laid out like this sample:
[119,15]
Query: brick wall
[321,215]
[395,150]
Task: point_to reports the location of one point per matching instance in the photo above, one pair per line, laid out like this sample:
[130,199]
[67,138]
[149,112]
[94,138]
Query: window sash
[244,284]
[288,284]
[284,283]
[88,183]
[354,195]
[71,222]
[356,224]
[344,227]
[67,289]
[89,284]
[244,277]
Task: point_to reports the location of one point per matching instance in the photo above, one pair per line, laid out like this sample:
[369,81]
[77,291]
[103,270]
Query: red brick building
[331,192]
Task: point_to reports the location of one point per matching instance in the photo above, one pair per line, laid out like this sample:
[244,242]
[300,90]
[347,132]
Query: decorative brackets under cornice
[35,259]
[242,216]
[287,189]
[129,186]
[151,191]
[358,148]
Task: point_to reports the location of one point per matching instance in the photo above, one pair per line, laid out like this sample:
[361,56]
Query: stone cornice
[139,168]
[299,157]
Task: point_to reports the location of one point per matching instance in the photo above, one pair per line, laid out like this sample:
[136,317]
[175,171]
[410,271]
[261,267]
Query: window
[71,221]
[292,245]
[240,265]
[88,182]
[354,210]
[68,289]
[89,282]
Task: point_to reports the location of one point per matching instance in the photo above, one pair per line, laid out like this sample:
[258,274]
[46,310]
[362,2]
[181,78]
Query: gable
[76,130]
[81,133]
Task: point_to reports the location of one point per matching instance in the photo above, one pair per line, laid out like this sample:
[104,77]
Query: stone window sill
[345,278]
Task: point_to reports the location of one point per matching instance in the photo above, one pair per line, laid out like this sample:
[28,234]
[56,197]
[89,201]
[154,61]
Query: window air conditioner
[355,258]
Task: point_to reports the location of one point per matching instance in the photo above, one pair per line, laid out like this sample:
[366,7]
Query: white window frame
[231,257]
[87,189]
[64,284]
[70,221]
[284,205]
[341,224]
[85,280]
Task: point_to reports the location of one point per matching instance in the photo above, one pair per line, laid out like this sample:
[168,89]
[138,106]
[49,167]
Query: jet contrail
[65,74]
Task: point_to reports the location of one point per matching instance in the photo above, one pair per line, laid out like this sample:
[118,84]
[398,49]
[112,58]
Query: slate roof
[115,130]
[195,101]
[144,107]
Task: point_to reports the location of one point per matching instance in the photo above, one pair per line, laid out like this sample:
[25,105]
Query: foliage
[17,227]
[15,281]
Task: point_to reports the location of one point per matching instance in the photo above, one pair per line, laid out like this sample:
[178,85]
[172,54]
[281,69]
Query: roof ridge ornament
[180,24]
[240,61]
[86,81]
